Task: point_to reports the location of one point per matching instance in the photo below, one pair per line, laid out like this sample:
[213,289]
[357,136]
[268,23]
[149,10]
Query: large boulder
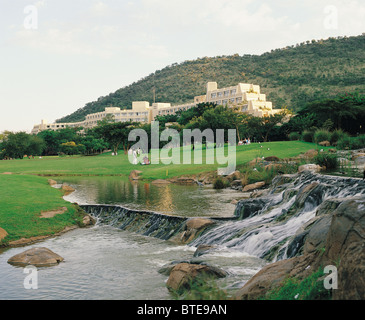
[345,248]
[38,257]
[67,189]
[183,274]
[193,227]
[335,239]
[325,143]
[254,186]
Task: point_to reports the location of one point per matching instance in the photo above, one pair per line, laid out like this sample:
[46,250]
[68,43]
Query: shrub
[328,160]
[293,136]
[310,288]
[336,136]
[358,142]
[219,183]
[307,136]
[344,143]
[322,135]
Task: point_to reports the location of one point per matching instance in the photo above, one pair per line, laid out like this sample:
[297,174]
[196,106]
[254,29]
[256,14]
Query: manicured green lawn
[24,195]
[107,164]
[23,198]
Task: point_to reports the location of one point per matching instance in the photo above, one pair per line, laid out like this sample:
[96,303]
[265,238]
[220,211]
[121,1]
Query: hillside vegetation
[291,76]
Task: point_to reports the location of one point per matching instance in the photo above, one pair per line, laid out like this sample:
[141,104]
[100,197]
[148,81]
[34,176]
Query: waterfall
[143,222]
[267,225]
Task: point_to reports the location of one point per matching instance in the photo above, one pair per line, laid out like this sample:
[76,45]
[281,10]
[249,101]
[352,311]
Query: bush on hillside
[307,136]
[328,160]
[337,135]
[294,136]
[322,135]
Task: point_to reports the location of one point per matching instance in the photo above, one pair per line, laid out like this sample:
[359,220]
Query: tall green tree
[116,134]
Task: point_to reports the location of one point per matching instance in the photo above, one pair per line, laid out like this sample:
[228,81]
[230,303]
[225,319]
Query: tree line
[345,112]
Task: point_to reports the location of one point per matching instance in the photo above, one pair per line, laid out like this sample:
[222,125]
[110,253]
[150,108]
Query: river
[103,262]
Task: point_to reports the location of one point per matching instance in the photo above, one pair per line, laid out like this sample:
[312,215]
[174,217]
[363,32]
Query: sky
[56,56]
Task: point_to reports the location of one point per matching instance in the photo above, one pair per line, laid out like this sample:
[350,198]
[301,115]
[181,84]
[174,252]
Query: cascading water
[264,227]
[267,225]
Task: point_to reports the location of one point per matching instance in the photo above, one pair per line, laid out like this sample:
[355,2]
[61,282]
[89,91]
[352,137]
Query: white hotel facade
[247,97]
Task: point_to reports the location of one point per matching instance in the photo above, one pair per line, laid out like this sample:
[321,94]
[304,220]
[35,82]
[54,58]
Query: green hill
[290,76]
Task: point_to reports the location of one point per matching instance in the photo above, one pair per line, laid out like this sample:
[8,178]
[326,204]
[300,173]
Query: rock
[88,221]
[193,227]
[236,183]
[234,176]
[52,182]
[3,234]
[254,186]
[184,181]
[272,158]
[360,161]
[160,182]
[310,154]
[255,162]
[202,249]
[273,166]
[67,189]
[309,167]
[325,144]
[183,274]
[345,245]
[334,238]
[38,257]
[134,175]
[356,155]
[266,279]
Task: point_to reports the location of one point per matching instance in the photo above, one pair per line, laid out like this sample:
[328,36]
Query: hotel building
[246,97]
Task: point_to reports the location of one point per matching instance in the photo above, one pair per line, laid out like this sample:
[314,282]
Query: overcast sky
[58,55]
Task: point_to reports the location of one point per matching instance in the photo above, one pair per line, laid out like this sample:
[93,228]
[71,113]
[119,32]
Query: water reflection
[169,199]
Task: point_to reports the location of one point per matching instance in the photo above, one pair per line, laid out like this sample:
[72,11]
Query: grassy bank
[22,200]
[106,164]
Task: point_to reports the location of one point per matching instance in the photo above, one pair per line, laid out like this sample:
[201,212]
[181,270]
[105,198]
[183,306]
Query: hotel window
[219,102]
[226,93]
[239,99]
[225,102]
[220,94]
[233,91]
[231,100]
[214,95]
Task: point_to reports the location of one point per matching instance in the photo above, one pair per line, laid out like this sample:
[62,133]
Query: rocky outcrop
[67,189]
[331,238]
[193,227]
[254,186]
[183,274]
[38,257]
